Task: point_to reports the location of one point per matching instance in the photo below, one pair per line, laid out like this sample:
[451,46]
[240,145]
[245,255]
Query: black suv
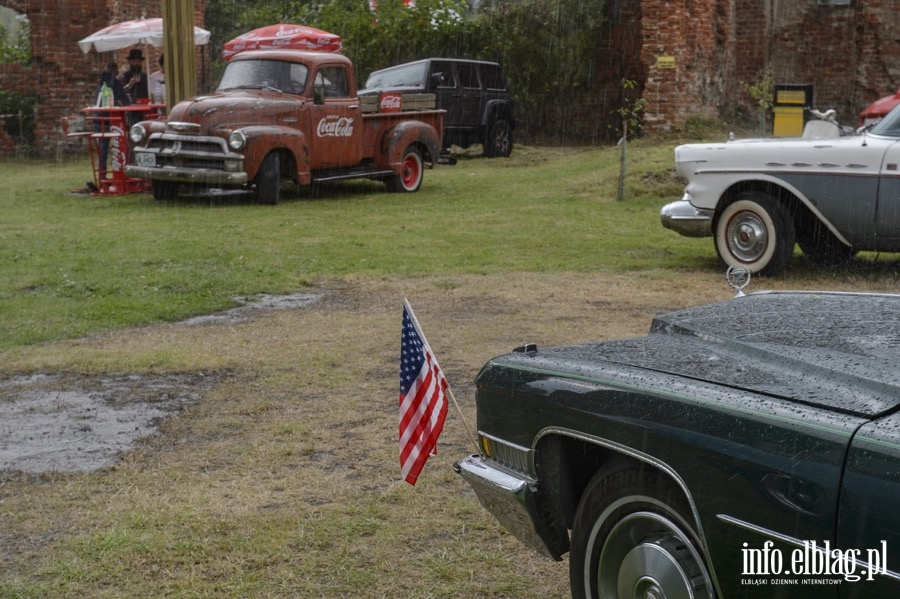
[473,92]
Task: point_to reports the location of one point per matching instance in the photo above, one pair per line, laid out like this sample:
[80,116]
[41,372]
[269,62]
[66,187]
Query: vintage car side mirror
[437,78]
[318,94]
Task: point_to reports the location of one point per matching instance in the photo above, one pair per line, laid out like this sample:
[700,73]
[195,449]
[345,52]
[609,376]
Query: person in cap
[135,78]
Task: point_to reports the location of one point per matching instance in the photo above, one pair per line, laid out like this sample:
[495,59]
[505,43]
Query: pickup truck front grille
[189,151]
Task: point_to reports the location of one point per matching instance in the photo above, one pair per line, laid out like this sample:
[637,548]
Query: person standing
[135,78]
[158,84]
[116,97]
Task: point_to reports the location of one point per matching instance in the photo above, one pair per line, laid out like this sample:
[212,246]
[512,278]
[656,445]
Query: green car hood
[835,350]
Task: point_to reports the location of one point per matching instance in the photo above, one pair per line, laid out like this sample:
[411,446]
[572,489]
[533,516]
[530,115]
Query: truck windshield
[409,75]
[283,76]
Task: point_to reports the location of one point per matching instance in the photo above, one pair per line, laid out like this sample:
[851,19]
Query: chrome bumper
[683,218]
[186,175]
[510,499]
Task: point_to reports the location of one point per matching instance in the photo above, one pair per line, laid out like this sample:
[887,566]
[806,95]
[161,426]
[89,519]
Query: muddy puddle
[65,422]
[73,423]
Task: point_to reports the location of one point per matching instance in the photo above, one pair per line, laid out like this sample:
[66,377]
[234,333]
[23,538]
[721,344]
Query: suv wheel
[499,140]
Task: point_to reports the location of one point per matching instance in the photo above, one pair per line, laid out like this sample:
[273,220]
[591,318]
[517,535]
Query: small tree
[630,112]
[763,94]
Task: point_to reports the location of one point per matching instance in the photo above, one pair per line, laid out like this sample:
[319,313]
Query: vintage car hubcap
[645,557]
[747,236]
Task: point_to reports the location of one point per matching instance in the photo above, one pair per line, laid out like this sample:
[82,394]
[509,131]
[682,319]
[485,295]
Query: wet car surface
[736,446]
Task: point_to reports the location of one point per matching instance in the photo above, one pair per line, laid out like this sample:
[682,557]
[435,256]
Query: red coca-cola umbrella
[281,36]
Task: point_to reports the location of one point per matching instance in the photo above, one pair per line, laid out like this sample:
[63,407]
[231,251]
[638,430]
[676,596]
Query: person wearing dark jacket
[135,78]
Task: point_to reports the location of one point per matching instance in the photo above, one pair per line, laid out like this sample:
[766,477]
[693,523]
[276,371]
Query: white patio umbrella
[130,33]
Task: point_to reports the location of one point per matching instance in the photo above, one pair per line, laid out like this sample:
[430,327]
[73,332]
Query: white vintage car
[833,196]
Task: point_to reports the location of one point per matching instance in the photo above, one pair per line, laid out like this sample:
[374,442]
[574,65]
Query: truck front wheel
[268,180]
[164,190]
[409,178]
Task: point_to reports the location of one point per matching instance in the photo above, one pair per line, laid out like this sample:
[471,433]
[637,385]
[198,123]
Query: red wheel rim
[411,171]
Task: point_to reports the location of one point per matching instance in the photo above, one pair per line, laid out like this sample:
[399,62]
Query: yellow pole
[178,47]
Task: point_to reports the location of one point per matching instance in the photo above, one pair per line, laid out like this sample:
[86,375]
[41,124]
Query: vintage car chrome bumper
[683,218]
[186,175]
[510,499]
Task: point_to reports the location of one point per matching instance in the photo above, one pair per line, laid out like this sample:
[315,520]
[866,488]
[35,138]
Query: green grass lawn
[75,264]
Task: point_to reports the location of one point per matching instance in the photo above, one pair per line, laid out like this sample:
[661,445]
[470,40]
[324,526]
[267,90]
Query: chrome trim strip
[657,463]
[794,542]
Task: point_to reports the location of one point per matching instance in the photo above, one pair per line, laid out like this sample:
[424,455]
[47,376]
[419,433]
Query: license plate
[145,159]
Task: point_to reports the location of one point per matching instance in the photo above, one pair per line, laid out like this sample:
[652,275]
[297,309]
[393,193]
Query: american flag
[423,404]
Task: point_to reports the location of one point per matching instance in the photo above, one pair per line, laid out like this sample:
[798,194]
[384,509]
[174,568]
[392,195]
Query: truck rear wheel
[268,180]
[409,178]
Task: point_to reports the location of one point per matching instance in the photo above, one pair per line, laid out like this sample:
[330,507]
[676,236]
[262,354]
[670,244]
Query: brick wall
[849,54]
[61,77]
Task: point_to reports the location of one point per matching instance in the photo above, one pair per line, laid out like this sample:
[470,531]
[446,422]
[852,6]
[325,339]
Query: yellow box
[788,121]
[790,96]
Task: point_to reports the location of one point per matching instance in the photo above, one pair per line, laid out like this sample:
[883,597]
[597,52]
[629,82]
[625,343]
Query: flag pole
[415,322]
[463,418]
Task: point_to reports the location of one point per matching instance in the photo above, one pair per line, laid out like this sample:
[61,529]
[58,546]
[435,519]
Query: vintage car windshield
[889,126]
[283,76]
[411,75]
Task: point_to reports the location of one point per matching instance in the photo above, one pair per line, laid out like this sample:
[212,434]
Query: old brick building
[60,77]
[688,57]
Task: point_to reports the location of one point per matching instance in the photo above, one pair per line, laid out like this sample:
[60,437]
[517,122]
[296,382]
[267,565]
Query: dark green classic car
[749,448]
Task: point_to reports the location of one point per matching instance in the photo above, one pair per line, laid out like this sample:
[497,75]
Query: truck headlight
[137,133]
[237,140]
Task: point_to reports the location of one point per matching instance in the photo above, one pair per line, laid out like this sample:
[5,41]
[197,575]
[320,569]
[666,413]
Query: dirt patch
[74,423]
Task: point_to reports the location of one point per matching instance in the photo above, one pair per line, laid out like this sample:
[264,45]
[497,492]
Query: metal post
[622,160]
[178,46]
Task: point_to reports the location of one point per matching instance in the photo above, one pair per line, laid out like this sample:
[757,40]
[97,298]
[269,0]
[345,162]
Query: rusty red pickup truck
[281,115]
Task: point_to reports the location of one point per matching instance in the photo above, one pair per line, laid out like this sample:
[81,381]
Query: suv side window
[468,75]
[492,77]
[445,69]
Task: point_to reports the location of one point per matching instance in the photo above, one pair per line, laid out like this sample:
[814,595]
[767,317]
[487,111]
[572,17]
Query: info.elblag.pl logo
[813,560]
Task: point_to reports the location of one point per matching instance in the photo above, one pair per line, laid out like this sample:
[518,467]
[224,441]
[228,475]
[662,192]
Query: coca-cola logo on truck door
[332,126]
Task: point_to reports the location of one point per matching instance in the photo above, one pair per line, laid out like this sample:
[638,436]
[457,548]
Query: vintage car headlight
[137,133]
[237,140]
